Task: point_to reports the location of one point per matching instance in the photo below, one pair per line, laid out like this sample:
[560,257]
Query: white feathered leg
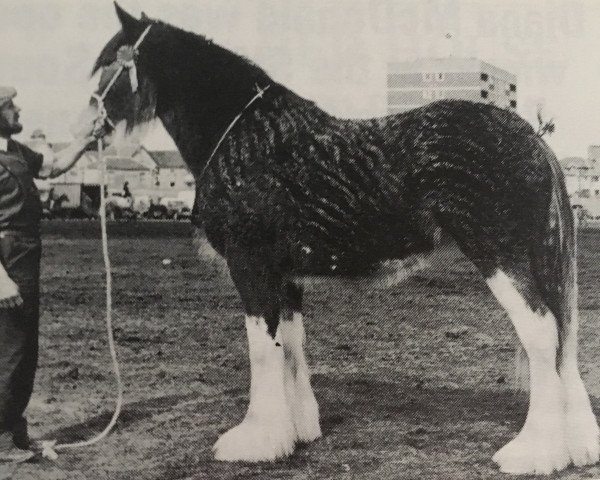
[541,446]
[303,405]
[583,436]
[267,432]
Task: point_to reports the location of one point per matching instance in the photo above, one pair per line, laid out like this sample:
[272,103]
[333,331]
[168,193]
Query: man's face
[9,119]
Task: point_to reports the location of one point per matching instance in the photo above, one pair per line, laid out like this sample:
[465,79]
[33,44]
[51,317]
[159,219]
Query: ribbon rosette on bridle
[126,58]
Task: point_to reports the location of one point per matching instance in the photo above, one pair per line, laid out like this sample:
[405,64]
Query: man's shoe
[16,455]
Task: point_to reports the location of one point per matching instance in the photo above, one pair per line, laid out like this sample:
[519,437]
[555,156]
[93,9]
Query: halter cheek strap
[126,61]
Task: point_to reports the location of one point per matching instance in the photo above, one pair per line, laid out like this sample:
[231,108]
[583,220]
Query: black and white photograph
[299,239]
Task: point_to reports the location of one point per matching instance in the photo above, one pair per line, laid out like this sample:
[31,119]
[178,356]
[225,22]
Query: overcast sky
[331,51]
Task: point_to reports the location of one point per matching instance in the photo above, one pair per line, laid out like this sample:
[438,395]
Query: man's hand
[89,126]
[87,131]
[85,123]
[9,294]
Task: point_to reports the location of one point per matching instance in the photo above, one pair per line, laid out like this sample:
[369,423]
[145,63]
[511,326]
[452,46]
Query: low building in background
[170,174]
[582,178]
[153,175]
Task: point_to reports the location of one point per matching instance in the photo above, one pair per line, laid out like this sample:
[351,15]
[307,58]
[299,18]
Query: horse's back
[357,192]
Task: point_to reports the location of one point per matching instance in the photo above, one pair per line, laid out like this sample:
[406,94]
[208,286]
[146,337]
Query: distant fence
[152,228]
[118,228]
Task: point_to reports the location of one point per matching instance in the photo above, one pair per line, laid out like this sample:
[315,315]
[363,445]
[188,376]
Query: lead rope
[50,447]
[259,94]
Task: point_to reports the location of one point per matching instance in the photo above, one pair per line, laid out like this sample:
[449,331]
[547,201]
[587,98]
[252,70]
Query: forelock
[109,53]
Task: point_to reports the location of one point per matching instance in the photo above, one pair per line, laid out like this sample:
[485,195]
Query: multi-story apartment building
[415,83]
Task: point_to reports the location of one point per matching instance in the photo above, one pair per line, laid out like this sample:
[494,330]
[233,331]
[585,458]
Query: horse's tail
[554,266]
[555,261]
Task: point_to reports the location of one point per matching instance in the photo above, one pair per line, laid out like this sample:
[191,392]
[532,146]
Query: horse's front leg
[267,431]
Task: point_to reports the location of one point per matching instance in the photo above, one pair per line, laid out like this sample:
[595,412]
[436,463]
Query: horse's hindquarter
[483,173]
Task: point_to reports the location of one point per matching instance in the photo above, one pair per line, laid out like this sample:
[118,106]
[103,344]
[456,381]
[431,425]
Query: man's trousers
[20,254]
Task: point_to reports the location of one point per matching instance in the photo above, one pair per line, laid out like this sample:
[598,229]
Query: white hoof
[583,439]
[583,435]
[253,441]
[533,455]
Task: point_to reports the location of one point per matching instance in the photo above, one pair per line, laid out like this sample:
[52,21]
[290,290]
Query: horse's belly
[385,274]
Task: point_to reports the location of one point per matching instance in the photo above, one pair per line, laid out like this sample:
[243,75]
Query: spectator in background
[126,192]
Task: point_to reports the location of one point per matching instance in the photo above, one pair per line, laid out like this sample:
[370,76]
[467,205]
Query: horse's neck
[211,87]
[197,133]
[192,141]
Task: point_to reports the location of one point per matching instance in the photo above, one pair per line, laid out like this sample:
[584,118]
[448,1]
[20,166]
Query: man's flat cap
[6,94]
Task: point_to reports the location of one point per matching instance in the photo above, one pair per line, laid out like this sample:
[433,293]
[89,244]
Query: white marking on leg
[303,405]
[541,445]
[583,435]
[267,432]
[521,369]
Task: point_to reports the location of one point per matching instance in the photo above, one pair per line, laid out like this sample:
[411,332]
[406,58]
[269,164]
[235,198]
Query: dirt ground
[413,381]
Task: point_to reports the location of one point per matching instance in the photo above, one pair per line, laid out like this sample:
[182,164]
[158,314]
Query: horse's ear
[145,17]
[128,22]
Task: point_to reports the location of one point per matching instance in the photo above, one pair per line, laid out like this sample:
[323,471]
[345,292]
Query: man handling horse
[20,248]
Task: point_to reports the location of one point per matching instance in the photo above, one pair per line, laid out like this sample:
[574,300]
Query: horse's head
[125,91]
[195,86]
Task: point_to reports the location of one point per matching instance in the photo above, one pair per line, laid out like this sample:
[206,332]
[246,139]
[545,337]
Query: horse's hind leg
[300,396]
[583,435]
[541,445]
[267,431]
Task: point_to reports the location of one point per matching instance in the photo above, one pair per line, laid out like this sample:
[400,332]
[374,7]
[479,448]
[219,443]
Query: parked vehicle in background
[156,211]
[71,200]
[177,208]
[119,207]
[76,200]
[586,209]
[169,208]
[141,204]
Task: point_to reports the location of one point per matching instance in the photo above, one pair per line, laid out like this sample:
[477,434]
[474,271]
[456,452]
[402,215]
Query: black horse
[285,190]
